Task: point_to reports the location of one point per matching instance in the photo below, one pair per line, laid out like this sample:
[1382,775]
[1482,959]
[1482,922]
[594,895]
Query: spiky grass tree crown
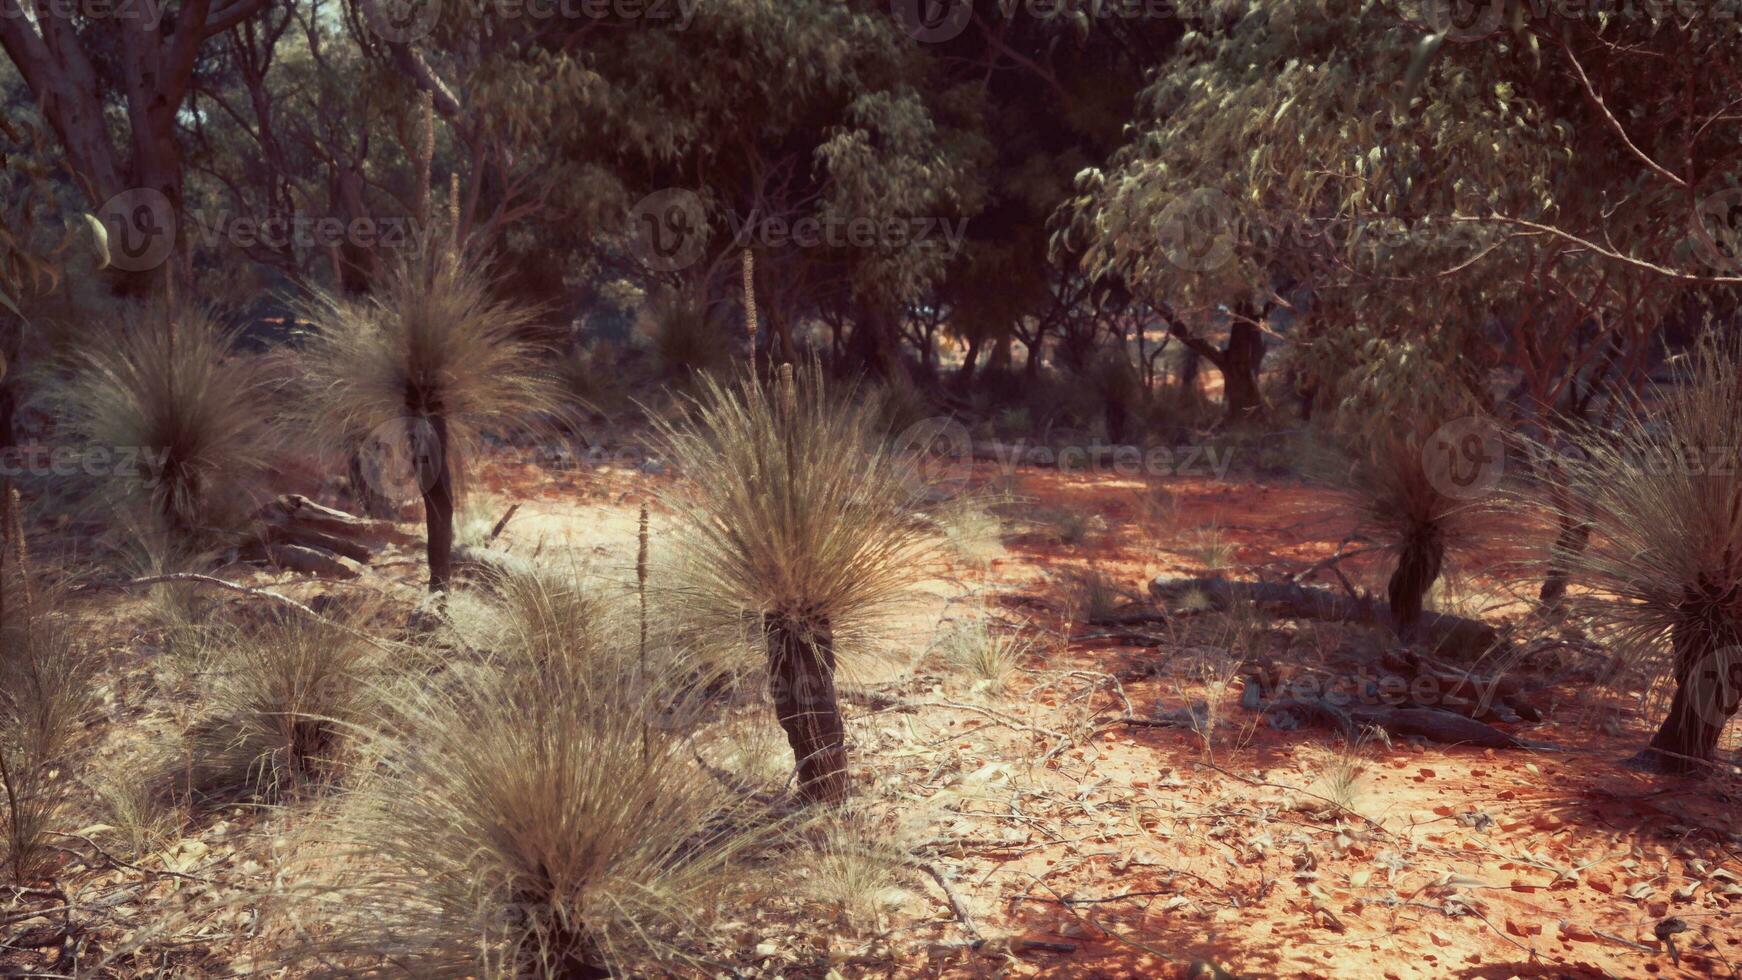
[432,339]
[1661,578]
[796,512]
[172,386]
[792,506]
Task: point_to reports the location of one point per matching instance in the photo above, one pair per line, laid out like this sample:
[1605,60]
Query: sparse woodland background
[284,689]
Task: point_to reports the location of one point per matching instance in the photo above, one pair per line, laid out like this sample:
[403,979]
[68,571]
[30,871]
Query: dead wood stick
[496,531]
[268,594]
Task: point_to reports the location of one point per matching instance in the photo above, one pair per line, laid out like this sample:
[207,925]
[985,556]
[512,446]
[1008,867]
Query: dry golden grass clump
[536,812]
[280,702]
[1661,577]
[429,362]
[987,652]
[45,696]
[795,514]
[170,394]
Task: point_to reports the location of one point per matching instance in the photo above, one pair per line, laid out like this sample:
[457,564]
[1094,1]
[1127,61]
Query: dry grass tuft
[797,521]
[45,696]
[426,365]
[986,652]
[282,700]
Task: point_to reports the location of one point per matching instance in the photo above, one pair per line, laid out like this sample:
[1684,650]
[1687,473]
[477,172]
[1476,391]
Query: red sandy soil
[1456,861]
[1139,851]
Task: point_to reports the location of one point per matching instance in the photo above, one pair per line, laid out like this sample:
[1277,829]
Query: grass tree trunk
[1418,567]
[435,479]
[1708,686]
[1574,536]
[801,679]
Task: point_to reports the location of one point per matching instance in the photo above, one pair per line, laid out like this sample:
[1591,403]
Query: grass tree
[171,388]
[521,818]
[795,511]
[429,361]
[1661,576]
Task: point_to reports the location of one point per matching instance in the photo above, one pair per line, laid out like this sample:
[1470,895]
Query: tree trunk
[965,377]
[1239,365]
[1418,567]
[874,347]
[1708,678]
[801,679]
[1574,537]
[435,479]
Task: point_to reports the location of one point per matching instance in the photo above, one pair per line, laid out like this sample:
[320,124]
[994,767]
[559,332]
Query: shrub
[795,513]
[283,698]
[1661,577]
[685,344]
[430,360]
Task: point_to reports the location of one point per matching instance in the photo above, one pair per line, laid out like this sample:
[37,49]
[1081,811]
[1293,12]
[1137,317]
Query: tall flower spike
[749,263]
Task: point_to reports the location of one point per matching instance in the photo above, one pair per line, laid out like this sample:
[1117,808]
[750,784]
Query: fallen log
[311,562]
[308,537]
[1453,635]
[295,510]
[1431,724]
